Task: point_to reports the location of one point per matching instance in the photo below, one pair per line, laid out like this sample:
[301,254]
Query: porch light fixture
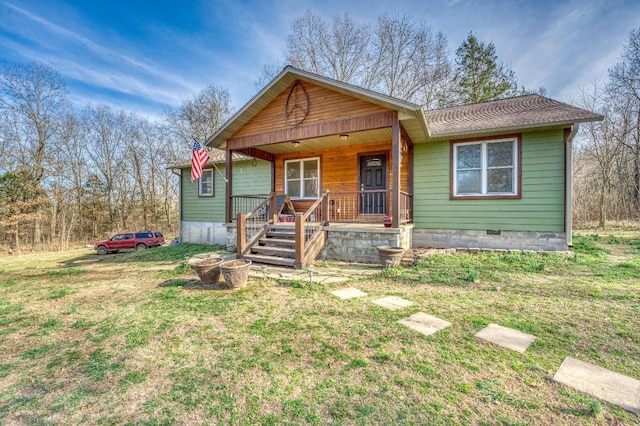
[344,137]
[295,143]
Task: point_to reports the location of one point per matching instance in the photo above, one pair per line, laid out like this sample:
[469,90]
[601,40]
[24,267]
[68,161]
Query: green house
[316,168]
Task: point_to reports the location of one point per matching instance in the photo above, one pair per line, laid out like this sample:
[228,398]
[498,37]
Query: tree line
[607,157]
[69,175]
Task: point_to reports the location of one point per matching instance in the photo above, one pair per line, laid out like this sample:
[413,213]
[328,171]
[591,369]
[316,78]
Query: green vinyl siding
[247,179]
[541,207]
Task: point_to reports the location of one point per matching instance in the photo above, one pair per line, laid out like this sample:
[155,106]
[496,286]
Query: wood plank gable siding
[339,167]
[247,180]
[541,207]
[327,110]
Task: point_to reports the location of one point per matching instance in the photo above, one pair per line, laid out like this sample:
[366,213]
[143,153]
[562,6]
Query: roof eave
[452,135]
[218,139]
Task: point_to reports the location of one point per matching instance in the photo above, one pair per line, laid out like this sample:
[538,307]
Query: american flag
[198,159]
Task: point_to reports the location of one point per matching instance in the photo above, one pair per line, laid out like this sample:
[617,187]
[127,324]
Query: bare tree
[34,96]
[397,56]
[199,116]
[624,95]
[602,146]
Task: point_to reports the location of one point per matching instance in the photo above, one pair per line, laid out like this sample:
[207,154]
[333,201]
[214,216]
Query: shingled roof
[521,112]
[216,156]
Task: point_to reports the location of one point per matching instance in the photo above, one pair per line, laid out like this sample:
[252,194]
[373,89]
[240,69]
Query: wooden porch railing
[310,235]
[249,203]
[366,206]
[406,207]
[253,225]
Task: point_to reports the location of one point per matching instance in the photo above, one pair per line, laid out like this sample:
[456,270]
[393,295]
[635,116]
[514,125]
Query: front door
[373,183]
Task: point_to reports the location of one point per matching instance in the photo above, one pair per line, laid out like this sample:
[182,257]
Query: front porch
[341,154]
[335,226]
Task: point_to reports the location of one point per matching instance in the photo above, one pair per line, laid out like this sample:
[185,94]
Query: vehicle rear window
[144,235]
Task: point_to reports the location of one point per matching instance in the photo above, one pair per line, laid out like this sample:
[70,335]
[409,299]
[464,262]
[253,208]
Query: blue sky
[144,55]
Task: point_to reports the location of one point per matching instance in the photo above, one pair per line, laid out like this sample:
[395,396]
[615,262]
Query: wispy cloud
[110,65]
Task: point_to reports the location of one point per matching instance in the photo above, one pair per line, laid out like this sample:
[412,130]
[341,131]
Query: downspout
[178,172]
[568,185]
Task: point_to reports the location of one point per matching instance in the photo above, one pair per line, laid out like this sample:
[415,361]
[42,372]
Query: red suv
[141,240]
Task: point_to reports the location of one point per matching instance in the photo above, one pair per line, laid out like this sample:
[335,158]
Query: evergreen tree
[479,76]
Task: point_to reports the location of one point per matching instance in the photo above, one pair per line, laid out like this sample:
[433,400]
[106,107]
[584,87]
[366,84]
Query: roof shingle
[511,113]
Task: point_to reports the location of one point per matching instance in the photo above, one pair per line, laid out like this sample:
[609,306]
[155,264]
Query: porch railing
[310,235]
[253,225]
[366,206]
[406,207]
[249,203]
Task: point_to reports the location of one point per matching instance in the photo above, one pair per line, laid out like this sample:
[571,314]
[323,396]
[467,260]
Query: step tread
[274,250]
[278,241]
[270,260]
[280,234]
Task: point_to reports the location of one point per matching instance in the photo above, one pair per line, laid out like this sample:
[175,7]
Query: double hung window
[302,178]
[205,187]
[485,168]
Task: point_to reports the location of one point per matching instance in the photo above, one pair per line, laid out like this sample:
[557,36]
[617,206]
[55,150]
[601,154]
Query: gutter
[568,185]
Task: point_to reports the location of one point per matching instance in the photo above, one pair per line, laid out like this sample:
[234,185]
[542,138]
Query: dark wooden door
[373,177]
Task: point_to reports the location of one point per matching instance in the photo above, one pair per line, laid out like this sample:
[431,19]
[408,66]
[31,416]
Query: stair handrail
[303,252]
[242,245]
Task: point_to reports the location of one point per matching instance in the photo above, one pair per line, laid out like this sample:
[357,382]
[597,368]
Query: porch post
[395,188]
[229,186]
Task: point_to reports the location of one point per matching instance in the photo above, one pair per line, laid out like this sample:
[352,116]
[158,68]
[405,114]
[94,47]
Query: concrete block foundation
[358,243]
[489,239]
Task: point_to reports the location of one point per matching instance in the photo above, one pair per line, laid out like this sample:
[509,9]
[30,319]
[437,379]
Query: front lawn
[118,339]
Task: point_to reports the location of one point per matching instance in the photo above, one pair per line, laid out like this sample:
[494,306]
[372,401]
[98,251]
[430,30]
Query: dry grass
[132,339]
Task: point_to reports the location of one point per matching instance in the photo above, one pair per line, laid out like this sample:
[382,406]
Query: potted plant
[235,272]
[391,253]
[208,270]
[388,221]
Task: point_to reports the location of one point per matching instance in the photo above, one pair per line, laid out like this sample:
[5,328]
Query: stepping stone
[348,293]
[393,302]
[506,337]
[599,382]
[424,323]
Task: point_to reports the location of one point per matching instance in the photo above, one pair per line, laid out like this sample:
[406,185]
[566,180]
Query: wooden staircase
[262,239]
[276,247]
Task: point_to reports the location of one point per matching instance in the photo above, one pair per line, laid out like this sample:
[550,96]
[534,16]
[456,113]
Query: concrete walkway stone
[348,293]
[506,337]
[599,382]
[393,302]
[424,323]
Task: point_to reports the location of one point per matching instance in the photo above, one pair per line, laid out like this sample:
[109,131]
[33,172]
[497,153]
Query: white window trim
[483,169]
[286,181]
[200,192]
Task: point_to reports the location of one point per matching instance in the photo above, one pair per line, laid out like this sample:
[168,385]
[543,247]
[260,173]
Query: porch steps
[277,247]
[278,242]
[270,260]
[274,251]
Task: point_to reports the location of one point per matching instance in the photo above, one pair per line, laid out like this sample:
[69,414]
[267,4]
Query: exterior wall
[203,232]
[339,167]
[540,209]
[469,238]
[324,106]
[203,218]
[358,244]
